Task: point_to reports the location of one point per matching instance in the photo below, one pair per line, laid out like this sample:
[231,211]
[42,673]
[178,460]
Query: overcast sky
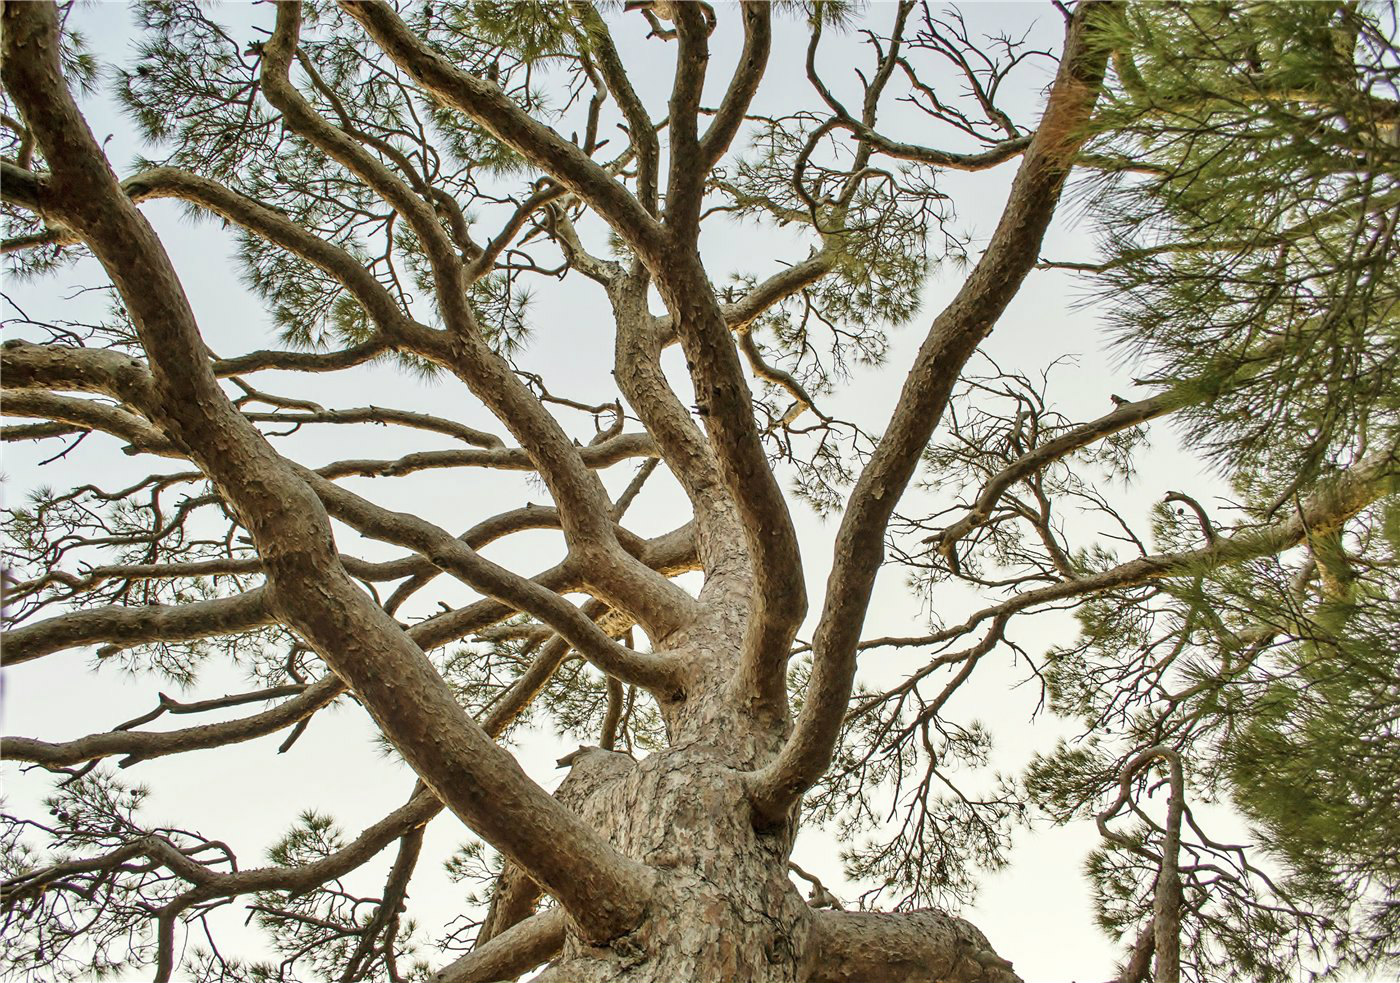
[1036,912]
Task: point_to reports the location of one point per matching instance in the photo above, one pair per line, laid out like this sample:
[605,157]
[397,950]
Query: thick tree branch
[515,893]
[780,600]
[89,414]
[22,187]
[96,370]
[954,336]
[413,705]
[639,125]
[411,818]
[124,626]
[273,226]
[378,303]
[412,565]
[333,361]
[685,179]
[92,370]
[140,745]
[637,368]
[779,596]
[484,102]
[753,60]
[39,431]
[659,605]
[778,287]
[903,947]
[453,556]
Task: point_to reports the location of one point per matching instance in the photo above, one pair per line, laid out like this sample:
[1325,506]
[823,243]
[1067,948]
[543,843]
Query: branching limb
[1167,896]
[91,415]
[778,287]
[871,141]
[40,431]
[1330,505]
[637,368]
[492,108]
[121,626]
[601,455]
[779,596]
[23,187]
[225,615]
[404,824]
[136,746]
[391,904]
[515,893]
[685,182]
[413,705]
[639,125]
[578,493]
[1202,517]
[1123,417]
[427,539]
[758,38]
[383,415]
[954,336]
[979,161]
[780,599]
[383,310]
[453,556]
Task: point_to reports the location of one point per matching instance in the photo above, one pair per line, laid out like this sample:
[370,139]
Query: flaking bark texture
[723,907]
[671,868]
[908,947]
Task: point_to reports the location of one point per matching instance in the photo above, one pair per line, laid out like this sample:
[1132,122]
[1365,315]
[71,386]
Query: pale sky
[1036,912]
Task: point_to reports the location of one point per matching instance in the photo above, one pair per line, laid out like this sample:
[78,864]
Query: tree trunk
[723,907]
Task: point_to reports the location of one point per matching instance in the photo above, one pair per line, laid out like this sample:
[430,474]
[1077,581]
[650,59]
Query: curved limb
[903,947]
[413,705]
[953,337]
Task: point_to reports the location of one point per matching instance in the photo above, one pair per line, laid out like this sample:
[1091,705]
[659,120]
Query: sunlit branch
[951,340]
[288,524]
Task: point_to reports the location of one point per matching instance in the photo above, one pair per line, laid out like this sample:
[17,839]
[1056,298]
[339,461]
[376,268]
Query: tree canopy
[613,251]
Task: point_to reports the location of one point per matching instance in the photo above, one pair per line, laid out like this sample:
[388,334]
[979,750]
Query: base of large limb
[515,951]
[903,947]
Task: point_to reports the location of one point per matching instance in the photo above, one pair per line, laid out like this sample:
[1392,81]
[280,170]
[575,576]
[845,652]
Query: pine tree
[1248,202]
[401,186]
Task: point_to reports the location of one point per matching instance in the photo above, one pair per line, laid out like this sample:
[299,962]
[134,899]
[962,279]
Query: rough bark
[672,867]
[909,947]
[311,589]
[722,906]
